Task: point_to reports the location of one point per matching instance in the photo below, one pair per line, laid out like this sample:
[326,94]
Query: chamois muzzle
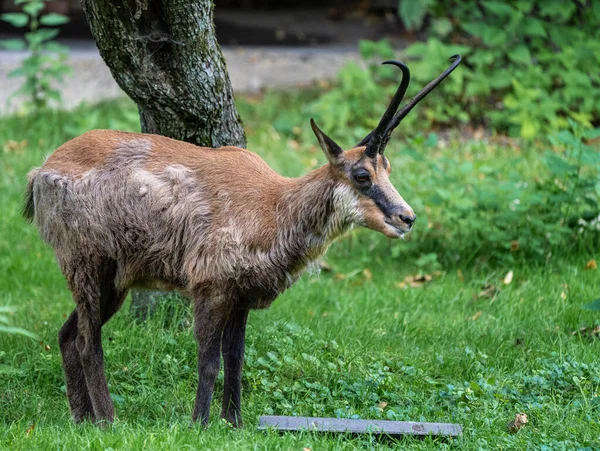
[378,138]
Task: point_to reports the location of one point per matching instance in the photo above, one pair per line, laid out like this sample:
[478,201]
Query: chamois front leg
[232,348]
[210,316]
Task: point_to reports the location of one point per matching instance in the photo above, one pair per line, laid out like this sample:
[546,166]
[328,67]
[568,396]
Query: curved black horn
[401,114]
[374,139]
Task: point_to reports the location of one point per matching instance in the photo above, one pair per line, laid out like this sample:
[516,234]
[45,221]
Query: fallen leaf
[489,291]
[591,265]
[29,430]
[382,405]
[508,278]
[476,316]
[15,146]
[519,421]
[415,281]
[514,246]
[590,331]
[367,273]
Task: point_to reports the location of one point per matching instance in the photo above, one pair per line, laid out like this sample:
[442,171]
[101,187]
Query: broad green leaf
[592,134]
[529,129]
[474,28]
[594,305]
[413,12]
[41,35]
[494,37]
[442,26]
[501,9]
[33,8]
[520,54]
[557,9]
[53,46]
[15,19]
[533,27]
[12,44]
[524,5]
[53,19]
[13,330]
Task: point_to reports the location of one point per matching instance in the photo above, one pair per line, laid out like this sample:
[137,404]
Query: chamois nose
[408,219]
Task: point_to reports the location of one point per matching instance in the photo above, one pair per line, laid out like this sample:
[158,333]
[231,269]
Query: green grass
[347,343]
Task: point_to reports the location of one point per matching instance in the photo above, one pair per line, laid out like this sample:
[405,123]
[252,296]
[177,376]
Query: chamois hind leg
[77,392]
[232,348]
[210,316]
[97,299]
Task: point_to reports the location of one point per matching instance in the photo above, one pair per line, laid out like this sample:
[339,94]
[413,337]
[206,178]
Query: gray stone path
[250,68]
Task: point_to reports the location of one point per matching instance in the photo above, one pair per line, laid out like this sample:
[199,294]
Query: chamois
[126,210]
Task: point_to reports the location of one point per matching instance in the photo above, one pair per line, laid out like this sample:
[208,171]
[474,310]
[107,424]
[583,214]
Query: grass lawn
[356,342]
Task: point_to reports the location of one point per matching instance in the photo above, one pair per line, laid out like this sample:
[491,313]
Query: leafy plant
[531,64]
[4,323]
[46,61]
[6,328]
[478,210]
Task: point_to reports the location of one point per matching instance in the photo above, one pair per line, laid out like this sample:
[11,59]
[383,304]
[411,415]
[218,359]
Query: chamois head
[366,170]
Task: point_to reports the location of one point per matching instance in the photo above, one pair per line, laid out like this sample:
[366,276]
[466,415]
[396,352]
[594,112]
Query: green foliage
[530,64]
[502,205]
[413,13]
[6,328]
[46,61]
[594,305]
[361,94]
[4,323]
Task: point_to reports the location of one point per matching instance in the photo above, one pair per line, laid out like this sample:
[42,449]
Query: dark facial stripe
[380,199]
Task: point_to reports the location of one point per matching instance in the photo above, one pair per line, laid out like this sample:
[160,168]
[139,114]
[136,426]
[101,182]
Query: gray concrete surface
[251,69]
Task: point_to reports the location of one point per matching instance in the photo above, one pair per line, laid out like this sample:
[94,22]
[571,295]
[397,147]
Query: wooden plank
[379,427]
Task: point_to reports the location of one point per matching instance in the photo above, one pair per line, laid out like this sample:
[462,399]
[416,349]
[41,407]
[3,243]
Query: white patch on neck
[345,214]
[346,211]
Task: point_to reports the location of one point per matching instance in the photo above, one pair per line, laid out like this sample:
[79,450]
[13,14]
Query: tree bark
[165,56]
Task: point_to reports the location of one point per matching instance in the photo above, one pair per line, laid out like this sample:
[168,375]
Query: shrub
[530,64]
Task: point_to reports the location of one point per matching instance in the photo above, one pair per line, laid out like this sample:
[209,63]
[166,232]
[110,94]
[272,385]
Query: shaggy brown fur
[123,210]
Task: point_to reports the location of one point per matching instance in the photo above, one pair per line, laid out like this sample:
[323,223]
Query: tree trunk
[164,54]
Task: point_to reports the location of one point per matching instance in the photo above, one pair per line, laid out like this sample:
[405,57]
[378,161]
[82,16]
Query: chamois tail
[29,203]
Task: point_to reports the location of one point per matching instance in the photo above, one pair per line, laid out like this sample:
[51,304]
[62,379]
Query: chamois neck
[317,206]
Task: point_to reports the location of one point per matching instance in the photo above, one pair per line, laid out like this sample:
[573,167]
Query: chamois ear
[332,151]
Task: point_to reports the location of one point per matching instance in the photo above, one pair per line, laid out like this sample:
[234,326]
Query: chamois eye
[362,177]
